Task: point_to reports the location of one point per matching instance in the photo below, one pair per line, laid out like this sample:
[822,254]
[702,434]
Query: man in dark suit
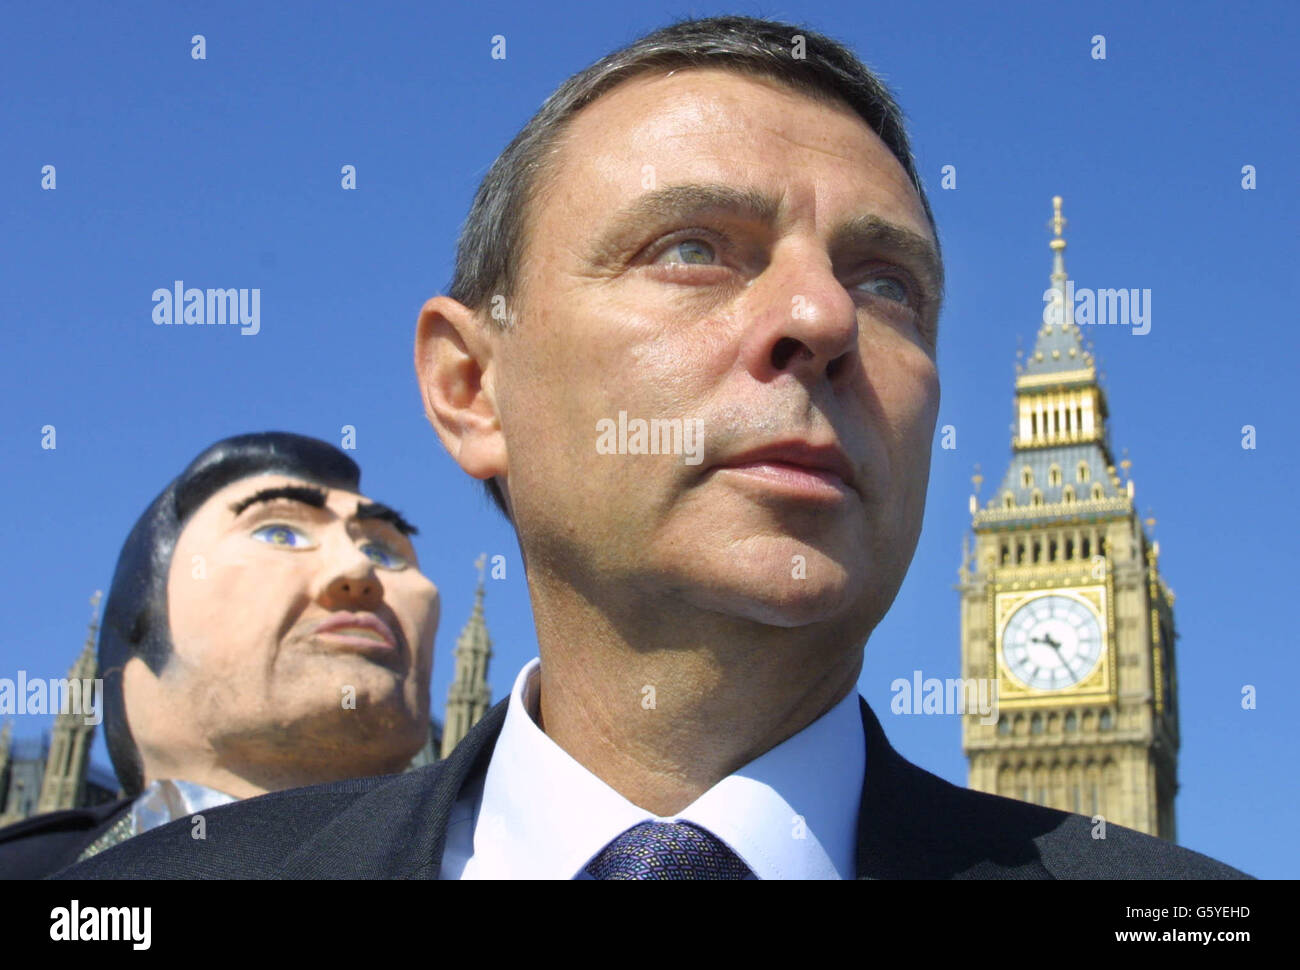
[268,627]
[691,347]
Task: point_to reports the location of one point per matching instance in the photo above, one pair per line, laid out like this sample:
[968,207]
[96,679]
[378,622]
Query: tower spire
[1057,224]
[64,783]
[469,696]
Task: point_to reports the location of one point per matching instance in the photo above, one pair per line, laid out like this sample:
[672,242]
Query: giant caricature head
[267,626]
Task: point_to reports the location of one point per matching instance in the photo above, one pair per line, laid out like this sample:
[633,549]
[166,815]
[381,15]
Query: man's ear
[453,365]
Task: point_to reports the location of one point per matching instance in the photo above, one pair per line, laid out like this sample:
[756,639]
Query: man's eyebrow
[680,202]
[683,201]
[306,494]
[378,510]
[871,231]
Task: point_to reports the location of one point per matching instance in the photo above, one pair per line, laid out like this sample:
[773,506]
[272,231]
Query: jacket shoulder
[1005,838]
[364,828]
[914,824]
[247,839]
[1079,848]
[42,844]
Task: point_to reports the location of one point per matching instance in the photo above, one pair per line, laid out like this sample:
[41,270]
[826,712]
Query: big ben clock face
[1052,642]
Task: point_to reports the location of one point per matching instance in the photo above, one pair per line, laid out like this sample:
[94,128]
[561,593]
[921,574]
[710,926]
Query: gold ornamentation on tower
[1064,608]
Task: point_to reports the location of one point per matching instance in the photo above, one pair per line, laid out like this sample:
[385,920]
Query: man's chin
[779,604]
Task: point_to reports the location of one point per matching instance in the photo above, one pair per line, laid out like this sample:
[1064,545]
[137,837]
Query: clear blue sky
[225,172]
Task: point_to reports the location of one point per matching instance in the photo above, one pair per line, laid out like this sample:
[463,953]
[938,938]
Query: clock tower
[1063,605]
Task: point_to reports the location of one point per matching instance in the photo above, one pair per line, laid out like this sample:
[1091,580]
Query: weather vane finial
[1058,222]
[1057,225]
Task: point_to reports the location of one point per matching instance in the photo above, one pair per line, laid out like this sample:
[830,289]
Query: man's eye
[382,555]
[691,251]
[890,287]
[286,536]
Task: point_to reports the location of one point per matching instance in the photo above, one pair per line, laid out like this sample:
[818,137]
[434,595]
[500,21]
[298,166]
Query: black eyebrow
[378,510]
[315,497]
[684,201]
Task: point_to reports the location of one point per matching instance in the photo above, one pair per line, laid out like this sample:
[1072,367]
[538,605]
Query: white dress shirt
[791,813]
[168,799]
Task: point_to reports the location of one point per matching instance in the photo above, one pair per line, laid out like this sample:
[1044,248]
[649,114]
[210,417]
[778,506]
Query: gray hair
[492,241]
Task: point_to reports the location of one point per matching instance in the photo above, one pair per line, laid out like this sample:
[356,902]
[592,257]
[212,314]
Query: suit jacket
[43,844]
[911,825]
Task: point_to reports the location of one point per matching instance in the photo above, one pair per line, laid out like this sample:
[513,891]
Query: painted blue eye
[382,555]
[285,536]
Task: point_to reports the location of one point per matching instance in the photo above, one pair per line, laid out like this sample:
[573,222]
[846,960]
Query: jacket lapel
[414,809]
[914,825]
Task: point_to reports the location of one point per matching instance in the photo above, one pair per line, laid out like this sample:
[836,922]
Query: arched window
[1054,475]
[1083,471]
[1026,476]
[1036,498]
[1067,494]
[1036,724]
[1071,722]
[1104,722]
[1097,493]
[1008,500]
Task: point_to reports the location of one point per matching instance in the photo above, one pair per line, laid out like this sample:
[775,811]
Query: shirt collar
[168,799]
[791,813]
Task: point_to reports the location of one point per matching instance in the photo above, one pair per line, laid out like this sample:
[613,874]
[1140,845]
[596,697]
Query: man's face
[301,627]
[792,302]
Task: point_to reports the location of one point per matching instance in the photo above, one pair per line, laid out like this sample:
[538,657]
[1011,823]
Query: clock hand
[1061,657]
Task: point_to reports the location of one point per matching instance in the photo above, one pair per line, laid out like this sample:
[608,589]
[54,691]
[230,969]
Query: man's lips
[363,630]
[796,464]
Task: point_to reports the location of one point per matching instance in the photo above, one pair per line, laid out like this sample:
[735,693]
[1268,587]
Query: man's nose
[351,584]
[808,322]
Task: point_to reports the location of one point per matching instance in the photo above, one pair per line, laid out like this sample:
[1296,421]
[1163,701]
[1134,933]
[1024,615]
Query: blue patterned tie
[667,850]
